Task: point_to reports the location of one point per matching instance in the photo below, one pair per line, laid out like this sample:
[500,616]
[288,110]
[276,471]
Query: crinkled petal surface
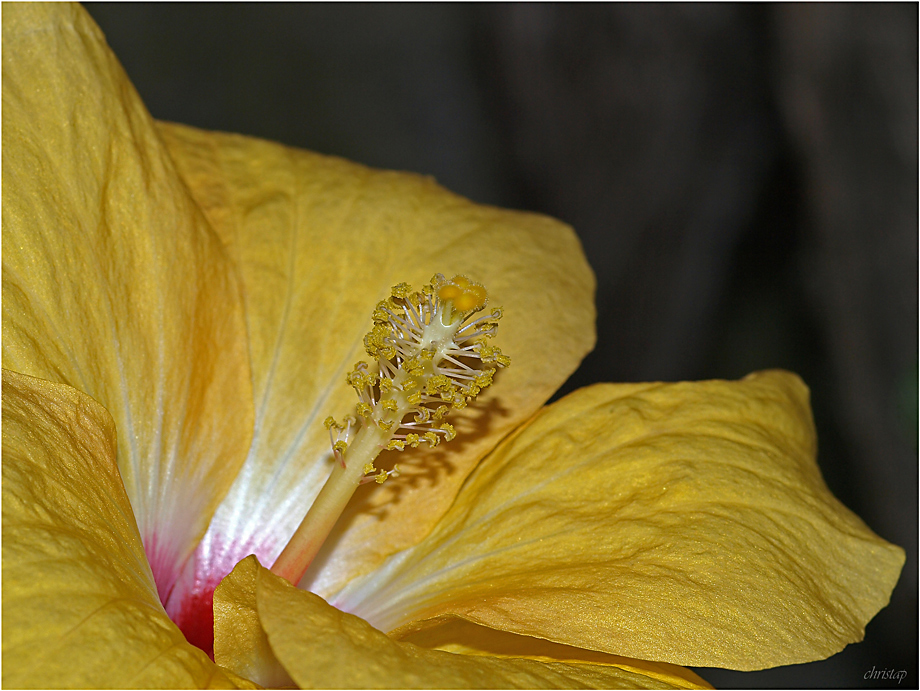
[113,282]
[320,241]
[686,523]
[80,608]
[322,647]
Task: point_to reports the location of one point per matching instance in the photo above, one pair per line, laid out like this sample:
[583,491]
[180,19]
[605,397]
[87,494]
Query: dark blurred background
[743,178]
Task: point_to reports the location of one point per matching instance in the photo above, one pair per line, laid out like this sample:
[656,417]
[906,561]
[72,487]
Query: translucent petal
[322,647]
[80,608]
[113,283]
[320,241]
[685,523]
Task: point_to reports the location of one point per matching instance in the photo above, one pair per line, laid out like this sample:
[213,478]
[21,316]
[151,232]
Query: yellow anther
[490,353]
[369,468]
[414,398]
[386,385]
[364,410]
[381,316]
[396,445]
[414,366]
[377,342]
[401,290]
[359,378]
[381,477]
[389,404]
[384,425]
[432,438]
[441,412]
[340,446]
[449,429]
[329,422]
[437,383]
[413,440]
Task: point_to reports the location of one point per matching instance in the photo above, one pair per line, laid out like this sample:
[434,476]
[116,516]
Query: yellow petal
[320,242]
[322,647]
[240,643]
[457,635]
[685,523]
[113,282]
[80,608]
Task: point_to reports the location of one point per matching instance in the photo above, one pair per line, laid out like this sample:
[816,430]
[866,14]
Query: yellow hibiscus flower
[180,310]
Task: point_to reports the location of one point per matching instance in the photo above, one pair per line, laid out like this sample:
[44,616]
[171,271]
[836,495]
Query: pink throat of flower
[196,619]
[187,591]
